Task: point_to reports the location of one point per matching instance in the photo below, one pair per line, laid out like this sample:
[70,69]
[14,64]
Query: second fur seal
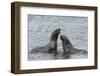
[68,48]
[51,47]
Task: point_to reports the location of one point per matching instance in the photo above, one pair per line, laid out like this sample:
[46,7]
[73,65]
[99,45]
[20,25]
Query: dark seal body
[51,47]
[69,50]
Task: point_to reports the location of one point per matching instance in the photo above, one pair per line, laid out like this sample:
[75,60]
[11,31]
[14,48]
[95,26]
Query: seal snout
[62,37]
[58,30]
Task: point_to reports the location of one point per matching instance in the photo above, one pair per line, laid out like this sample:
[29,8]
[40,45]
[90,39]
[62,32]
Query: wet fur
[68,48]
[51,47]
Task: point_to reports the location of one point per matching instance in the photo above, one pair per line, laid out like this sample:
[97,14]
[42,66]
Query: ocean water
[40,28]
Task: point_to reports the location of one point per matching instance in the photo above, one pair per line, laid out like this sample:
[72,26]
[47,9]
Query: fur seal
[51,47]
[68,48]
